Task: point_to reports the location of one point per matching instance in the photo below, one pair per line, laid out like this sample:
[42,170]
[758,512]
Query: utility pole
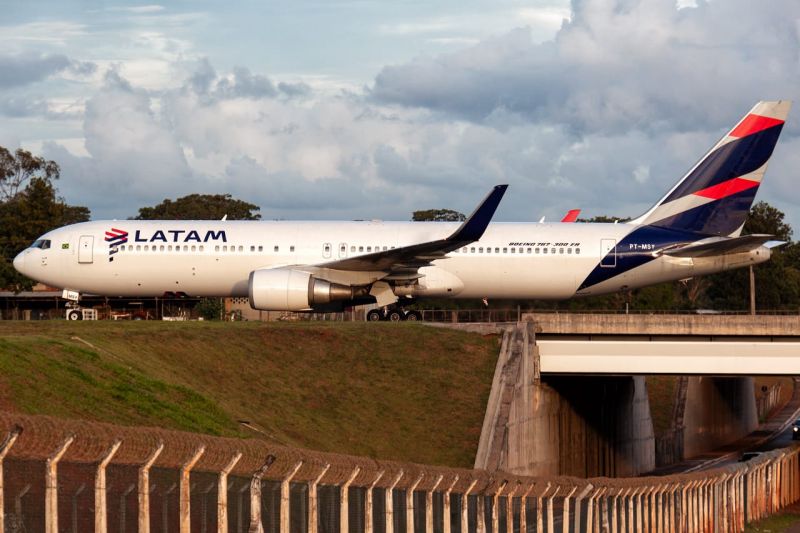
[752,291]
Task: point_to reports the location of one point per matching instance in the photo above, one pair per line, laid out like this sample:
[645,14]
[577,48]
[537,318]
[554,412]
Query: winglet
[472,229]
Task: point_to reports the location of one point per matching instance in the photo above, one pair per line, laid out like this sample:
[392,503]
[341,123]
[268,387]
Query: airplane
[695,229]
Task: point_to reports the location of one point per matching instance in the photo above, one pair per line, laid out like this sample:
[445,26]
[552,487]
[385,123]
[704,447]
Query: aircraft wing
[412,257]
[721,246]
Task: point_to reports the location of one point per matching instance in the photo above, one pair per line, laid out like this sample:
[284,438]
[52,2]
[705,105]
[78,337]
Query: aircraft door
[326,250]
[342,250]
[85,249]
[608,253]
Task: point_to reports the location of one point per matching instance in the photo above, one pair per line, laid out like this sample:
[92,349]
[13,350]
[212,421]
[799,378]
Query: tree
[29,214]
[20,167]
[438,215]
[777,280]
[200,207]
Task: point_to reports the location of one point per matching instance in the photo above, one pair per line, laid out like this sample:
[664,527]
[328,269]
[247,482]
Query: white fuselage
[215,258]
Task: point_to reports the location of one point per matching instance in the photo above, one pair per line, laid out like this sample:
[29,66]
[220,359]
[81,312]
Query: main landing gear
[395,314]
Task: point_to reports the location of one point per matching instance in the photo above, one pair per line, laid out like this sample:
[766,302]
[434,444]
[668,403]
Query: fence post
[539,510]
[284,510]
[429,505]
[313,501]
[51,487]
[447,525]
[550,518]
[495,510]
[523,510]
[100,507]
[144,489]
[510,509]
[185,493]
[344,499]
[222,494]
[565,515]
[256,525]
[368,511]
[6,445]
[389,504]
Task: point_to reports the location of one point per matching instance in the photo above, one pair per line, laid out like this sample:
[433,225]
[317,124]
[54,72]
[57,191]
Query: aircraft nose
[19,262]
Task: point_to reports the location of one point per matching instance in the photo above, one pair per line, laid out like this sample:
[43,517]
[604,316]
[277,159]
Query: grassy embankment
[393,391]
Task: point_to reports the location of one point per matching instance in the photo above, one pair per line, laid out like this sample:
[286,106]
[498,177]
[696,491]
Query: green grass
[777,523]
[393,391]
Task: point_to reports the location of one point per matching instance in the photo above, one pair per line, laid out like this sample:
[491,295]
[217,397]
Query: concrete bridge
[569,395]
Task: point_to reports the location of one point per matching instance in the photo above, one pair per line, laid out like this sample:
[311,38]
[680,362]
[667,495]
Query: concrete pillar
[5,446]
[222,494]
[256,525]
[51,487]
[565,515]
[368,511]
[313,501]
[389,503]
[185,493]
[144,489]
[344,505]
[284,511]
[429,505]
[447,526]
[410,503]
[100,505]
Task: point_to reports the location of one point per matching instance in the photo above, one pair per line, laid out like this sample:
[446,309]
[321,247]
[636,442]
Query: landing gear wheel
[396,315]
[414,316]
[75,314]
[374,316]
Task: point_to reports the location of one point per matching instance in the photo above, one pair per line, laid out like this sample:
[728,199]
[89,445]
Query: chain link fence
[71,476]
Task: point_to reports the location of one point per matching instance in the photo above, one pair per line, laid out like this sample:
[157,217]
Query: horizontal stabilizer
[720,246]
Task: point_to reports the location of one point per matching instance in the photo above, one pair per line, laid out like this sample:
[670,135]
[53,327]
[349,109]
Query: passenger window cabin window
[146,248]
[276,248]
[352,248]
[480,250]
[505,250]
[161,248]
[216,248]
[577,251]
[385,248]
[488,250]
[169,248]
[260,248]
[497,250]
[360,248]
[241,248]
[252,248]
[185,247]
[194,248]
[561,250]
[201,247]
[569,250]
[343,248]
[369,248]
[536,250]
[552,250]
[327,248]
[513,250]
[529,250]
[544,250]
[291,248]
[472,249]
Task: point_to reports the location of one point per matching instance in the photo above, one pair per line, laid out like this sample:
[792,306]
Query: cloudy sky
[341,109]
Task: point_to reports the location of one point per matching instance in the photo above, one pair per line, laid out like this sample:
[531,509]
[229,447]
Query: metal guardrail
[78,476]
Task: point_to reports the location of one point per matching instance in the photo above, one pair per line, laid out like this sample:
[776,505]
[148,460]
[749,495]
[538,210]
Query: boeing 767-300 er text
[323,266]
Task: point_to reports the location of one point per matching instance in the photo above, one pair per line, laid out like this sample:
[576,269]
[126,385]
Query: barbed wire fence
[77,476]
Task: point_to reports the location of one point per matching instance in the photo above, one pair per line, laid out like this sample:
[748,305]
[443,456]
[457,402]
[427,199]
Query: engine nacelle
[286,289]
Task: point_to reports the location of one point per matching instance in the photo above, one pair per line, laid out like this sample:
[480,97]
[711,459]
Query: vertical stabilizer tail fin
[715,196]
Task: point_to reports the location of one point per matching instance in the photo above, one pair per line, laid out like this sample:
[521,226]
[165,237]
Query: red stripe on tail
[727,188]
[753,124]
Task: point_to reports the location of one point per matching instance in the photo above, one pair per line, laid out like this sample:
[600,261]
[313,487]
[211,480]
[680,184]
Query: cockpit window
[44,244]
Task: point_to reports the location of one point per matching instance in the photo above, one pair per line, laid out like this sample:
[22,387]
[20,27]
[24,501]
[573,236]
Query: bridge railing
[80,476]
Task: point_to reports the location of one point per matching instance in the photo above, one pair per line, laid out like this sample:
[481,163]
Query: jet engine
[286,289]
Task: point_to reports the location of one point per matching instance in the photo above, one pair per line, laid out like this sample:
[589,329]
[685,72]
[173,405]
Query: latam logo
[115,237]
[179,235]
